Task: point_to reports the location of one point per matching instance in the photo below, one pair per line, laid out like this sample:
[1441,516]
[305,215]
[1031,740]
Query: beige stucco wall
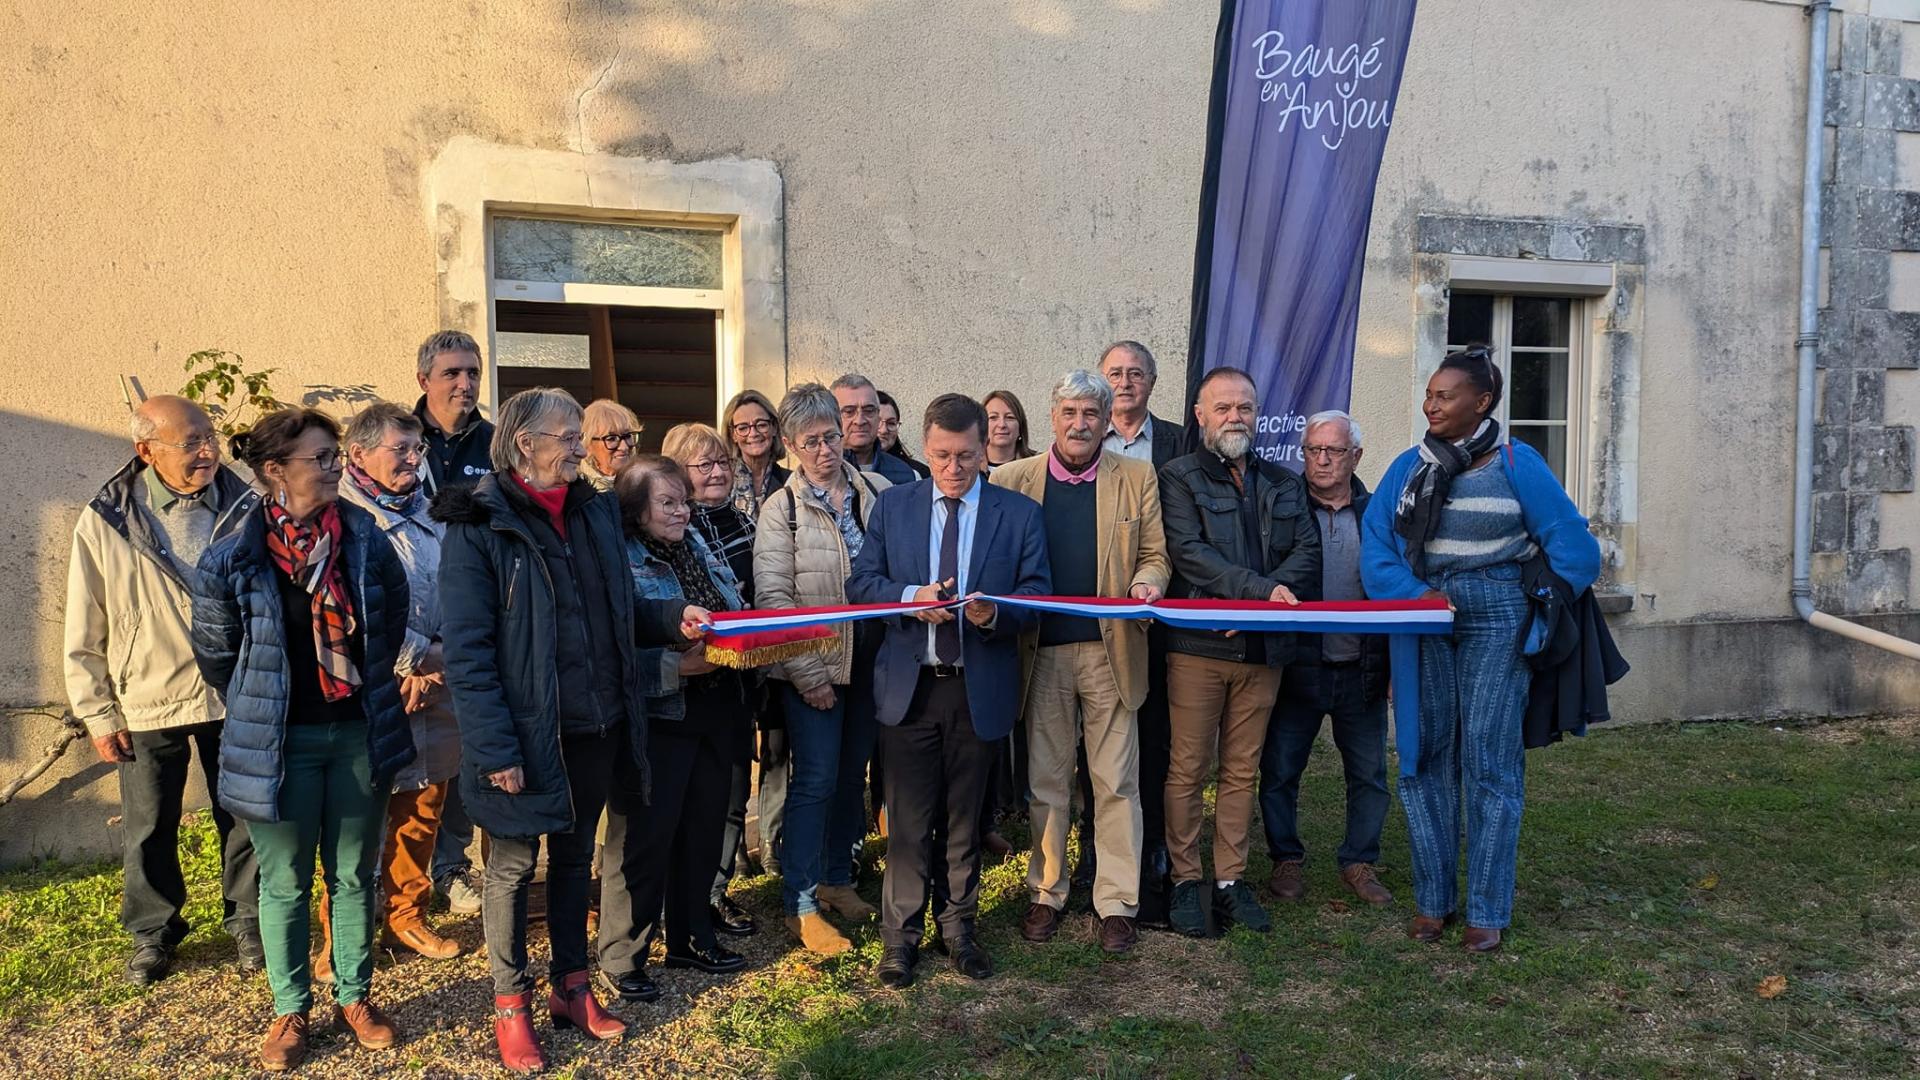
[977,194]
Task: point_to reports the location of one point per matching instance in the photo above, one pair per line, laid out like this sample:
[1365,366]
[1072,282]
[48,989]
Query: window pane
[1539,390]
[1469,320]
[603,253]
[1540,321]
[570,351]
[1552,444]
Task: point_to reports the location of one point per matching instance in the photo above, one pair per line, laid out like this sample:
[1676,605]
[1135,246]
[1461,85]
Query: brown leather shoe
[370,1027]
[1118,934]
[1361,881]
[285,1046]
[845,902]
[1041,923]
[1427,928]
[421,940]
[817,935]
[1479,939]
[1287,882]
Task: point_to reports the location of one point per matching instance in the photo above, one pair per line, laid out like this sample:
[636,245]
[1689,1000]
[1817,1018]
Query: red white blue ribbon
[1318,617]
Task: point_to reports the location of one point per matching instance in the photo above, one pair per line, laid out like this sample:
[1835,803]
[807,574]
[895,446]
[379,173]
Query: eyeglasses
[851,411]
[753,427]
[192,447]
[669,506]
[613,439]
[570,439]
[1127,375]
[813,443]
[707,466]
[325,460]
[405,451]
[1326,453]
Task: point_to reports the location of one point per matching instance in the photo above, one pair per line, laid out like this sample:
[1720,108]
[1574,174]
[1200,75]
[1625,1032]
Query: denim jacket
[653,579]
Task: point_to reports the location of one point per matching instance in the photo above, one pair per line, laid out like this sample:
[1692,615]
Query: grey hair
[143,427]
[604,415]
[1328,417]
[370,425]
[1080,385]
[445,341]
[853,380]
[1140,352]
[809,404]
[529,411]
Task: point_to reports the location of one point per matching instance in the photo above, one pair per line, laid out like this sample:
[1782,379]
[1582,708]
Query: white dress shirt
[969,517]
[1140,447]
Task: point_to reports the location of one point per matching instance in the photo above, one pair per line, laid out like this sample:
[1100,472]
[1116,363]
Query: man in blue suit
[947,682]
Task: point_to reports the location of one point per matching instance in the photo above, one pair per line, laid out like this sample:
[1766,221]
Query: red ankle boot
[573,1005]
[513,1031]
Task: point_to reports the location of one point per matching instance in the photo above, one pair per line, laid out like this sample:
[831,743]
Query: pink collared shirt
[1066,474]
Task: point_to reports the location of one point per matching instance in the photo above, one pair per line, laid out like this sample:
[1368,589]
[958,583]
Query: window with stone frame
[1534,345]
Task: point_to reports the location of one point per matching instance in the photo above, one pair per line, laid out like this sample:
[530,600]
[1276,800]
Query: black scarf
[695,584]
[1418,513]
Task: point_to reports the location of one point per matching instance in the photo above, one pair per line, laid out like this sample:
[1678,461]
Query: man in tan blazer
[1086,678]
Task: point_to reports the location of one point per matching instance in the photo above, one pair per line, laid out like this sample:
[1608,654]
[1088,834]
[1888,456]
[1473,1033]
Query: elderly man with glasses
[1343,676]
[859,402]
[131,675]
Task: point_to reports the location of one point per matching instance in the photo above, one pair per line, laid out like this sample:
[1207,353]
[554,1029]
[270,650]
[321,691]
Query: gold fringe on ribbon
[768,654]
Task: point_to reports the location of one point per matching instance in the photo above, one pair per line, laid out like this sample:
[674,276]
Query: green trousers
[327,804]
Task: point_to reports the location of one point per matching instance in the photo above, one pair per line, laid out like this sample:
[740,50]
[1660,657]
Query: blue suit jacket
[1009,558]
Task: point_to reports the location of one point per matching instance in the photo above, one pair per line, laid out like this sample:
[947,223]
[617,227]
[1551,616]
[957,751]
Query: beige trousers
[1214,703]
[1073,697]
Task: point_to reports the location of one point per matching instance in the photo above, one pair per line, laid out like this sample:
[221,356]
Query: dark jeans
[938,769]
[1359,731]
[826,790]
[664,849]
[450,844]
[152,788]
[590,763]
[733,834]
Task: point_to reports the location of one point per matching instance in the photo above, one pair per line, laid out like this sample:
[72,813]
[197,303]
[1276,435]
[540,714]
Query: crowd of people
[433,636]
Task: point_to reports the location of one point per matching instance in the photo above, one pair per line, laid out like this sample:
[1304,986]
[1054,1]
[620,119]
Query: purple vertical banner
[1303,96]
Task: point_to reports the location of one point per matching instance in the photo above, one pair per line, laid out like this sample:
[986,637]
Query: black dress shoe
[896,966]
[636,985]
[251,954]
[149,963]
[718,960]
[969,958]
[731,918]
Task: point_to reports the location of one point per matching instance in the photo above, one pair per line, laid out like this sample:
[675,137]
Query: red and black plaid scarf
[307,553]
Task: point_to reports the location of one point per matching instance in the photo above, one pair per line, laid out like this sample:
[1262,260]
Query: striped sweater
[1481,524]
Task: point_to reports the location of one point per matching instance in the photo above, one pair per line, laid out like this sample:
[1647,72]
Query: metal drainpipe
[1808,344]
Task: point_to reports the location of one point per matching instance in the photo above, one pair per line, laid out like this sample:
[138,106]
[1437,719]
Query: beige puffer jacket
[802,561]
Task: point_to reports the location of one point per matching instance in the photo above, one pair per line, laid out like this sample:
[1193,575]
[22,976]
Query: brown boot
[1287,882]
[817,935]
[1118,934]
[1041,923]
[1427,928]
[1360,879]
[421,940]
[285,1046]
[370,1027]
[843,901]
[1479,939]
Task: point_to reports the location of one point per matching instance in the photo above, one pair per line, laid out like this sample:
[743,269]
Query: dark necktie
[946,636]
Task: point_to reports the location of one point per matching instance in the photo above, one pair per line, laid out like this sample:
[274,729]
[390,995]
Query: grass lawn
[1667,874]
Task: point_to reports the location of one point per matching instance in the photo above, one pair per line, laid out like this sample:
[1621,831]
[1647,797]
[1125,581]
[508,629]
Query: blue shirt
[969,516]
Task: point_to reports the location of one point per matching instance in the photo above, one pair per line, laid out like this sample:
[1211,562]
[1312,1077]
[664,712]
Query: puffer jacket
[416,542]
[129,616]
[239,639]
[501,646]
[801,560]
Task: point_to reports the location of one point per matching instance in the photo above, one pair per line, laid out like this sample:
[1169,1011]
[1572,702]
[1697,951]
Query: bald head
[176,438]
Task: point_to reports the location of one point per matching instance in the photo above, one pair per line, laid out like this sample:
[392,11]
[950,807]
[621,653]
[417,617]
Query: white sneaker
[461,894]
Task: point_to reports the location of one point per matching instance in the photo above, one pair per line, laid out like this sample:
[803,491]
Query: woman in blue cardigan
[1456,517]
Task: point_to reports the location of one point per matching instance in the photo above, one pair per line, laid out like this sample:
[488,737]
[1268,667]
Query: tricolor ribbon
[752,638]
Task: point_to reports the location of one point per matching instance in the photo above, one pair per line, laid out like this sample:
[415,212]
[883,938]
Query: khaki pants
[1223,703]
[1073,691]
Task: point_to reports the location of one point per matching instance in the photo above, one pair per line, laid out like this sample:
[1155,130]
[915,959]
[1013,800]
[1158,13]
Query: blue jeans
[1308,695]
[826,790]
[1473,695]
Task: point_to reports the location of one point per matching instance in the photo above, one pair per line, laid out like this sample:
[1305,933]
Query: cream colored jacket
[129,654]
[801,560]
